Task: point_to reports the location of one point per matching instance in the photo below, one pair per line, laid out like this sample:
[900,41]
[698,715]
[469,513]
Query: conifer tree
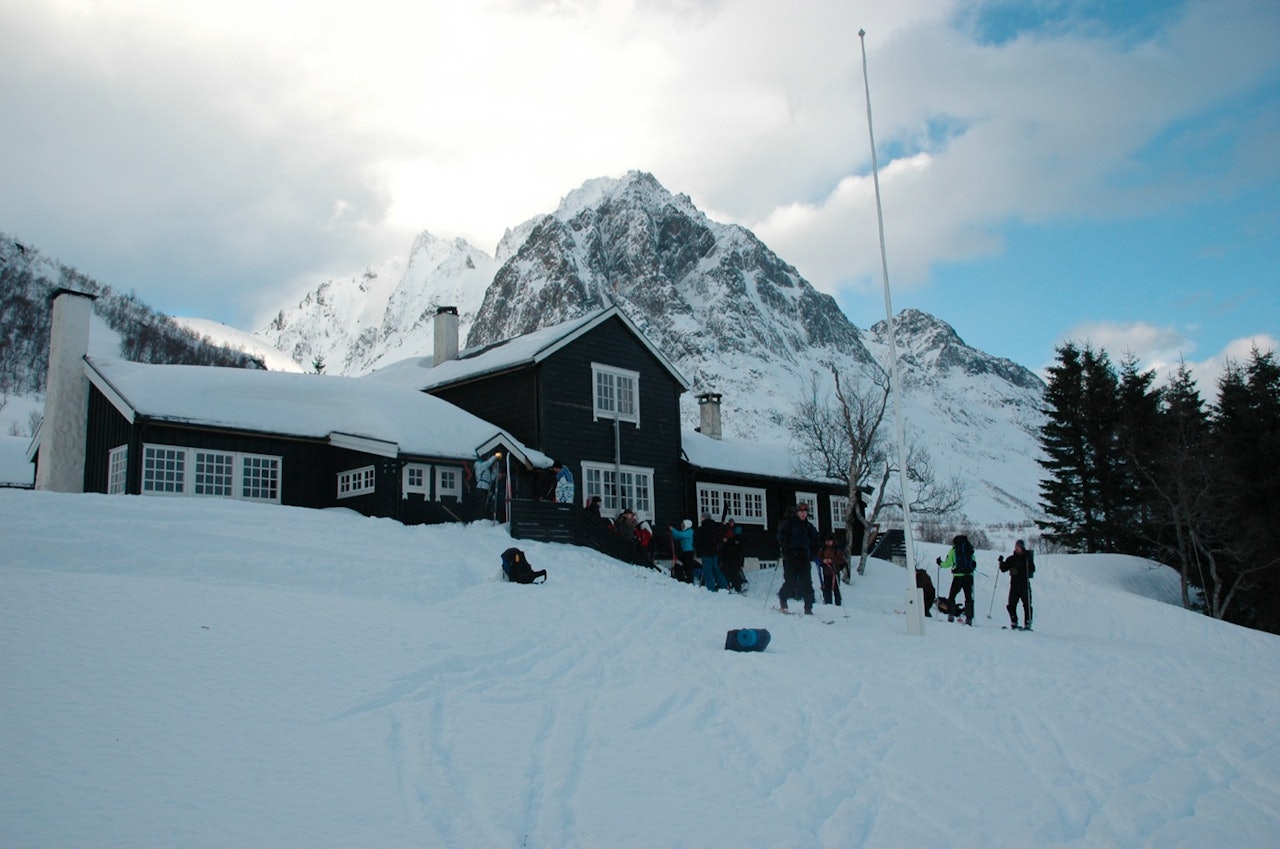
[1246,430]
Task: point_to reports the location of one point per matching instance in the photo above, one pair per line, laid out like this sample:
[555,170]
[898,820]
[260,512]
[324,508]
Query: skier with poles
[1021,567]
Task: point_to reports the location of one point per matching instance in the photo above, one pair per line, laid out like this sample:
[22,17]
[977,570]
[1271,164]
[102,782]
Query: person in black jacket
[798,540]
[706,542]
[1020,567]
[733,557]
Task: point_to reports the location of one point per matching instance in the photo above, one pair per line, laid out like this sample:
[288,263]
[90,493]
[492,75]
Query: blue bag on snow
[746,639]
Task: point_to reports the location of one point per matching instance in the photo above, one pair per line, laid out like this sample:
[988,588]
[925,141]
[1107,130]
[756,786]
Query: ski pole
[993,595]
[771,580]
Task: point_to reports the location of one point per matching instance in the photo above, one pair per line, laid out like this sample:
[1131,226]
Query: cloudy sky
[1050,169]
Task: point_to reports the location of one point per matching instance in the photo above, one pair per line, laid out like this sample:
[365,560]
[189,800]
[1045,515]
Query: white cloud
[222,137]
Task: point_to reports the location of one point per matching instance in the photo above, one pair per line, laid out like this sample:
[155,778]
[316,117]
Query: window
[260,478]
[173,470]
[164,470]
[448,482]
[214,474]
[839,511]
[619,488]
[616,393]
[117,470]
[355,482]
[745,505]
[417,478]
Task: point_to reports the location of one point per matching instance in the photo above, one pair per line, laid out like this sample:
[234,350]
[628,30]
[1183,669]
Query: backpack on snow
[518,570]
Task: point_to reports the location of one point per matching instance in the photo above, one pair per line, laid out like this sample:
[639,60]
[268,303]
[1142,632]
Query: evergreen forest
[1160,472]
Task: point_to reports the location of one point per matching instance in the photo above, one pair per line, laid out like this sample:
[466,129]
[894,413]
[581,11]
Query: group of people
[960,560]
[711,555]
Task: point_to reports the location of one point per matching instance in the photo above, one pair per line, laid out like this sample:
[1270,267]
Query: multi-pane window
[359,481]
[416,479]
[745,505]
[214,473]
[164,469]
[172,470]
[448,482]
[260,478]
[117,470]
[839,511]
[619,488]
[616,393]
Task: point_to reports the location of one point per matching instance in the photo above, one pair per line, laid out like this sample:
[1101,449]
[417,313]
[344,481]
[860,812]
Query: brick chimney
[60,467]
[709,414]
[446,335]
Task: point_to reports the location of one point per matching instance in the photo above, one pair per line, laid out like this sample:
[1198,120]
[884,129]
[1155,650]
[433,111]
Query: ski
[794,613]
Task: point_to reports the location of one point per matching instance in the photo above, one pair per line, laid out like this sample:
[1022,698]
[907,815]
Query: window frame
[617,379]
[839,506]
[362,480]
[423,489]
[711,498]
[183,470]
[595,482]
[448,488]
[118,470]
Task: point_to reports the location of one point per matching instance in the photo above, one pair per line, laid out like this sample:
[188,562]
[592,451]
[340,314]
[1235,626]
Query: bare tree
[844,439]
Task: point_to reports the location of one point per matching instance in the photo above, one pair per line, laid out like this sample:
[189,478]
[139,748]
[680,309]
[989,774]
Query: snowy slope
[204,673]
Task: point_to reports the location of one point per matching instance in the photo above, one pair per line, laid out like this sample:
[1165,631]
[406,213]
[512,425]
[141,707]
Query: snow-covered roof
[531,348]
[376,417]
[746,458]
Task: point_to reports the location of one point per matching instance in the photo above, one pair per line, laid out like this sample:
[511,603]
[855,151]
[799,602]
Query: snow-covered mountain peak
[384,313]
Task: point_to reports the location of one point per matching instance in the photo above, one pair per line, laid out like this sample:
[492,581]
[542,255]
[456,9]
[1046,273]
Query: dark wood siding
[572,435]
[106,429]
[549,407]
[507,400]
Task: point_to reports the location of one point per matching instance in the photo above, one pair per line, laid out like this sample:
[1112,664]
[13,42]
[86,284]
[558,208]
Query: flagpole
[914,596]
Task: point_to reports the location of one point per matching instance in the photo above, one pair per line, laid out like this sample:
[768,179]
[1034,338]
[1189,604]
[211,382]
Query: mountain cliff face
[703,290]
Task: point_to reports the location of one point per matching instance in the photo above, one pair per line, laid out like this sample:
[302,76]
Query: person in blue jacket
[683,564]
[799,541]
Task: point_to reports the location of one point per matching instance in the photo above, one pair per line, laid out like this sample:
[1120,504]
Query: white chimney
[446,335]
[60,467]
[709,414]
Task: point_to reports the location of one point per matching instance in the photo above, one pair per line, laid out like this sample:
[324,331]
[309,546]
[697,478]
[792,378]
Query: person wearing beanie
[1020,567]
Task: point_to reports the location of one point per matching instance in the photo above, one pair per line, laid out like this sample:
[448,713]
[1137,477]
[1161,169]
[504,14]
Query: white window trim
[443,488]
[193,464]
[361,481]
[598,412]
[593,475]
[711,499]
[839,505]
[406,487]
[118,470]
[185,484]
